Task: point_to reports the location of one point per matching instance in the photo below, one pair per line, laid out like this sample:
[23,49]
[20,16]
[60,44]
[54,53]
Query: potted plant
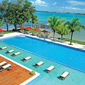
[32,72]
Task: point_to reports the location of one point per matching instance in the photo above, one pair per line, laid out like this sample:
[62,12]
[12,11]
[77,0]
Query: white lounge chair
[10,51]
[3,48]
[5,67]
[21,31]
[49,69]
[3,63]
[14,54]
[27,58]
[64,75]
[38,64]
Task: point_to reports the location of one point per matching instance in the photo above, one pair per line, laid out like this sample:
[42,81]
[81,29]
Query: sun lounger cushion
[65,74]
[16,53]
[40,63]
[3,63]
[50,68]
[10,51]
[3,48]
[6,66]
[27,58]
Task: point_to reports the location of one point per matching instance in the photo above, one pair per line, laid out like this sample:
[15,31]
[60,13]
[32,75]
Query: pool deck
[18,75]
[75,45]
[75,77]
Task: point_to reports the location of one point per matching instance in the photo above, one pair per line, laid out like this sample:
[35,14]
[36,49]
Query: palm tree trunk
[15,27]
[71,39]
[61,36]
[7,27]
[53,34]
[32,24]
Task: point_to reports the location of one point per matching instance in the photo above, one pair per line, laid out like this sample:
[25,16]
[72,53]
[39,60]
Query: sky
[73,6]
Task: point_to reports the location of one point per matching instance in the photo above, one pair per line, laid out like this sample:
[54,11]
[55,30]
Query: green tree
[4,12]
[63,29]
[19,13]
[75,25]
[2,23]
[54,23]
[34,19]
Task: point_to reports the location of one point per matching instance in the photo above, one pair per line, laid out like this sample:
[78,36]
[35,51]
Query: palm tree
[54,23]
[63,30]
[75,25]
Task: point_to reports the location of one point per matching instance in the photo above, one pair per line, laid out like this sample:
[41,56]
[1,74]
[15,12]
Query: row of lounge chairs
[42,35]
[4,66]
[10,51]
[49,69]
[39,64]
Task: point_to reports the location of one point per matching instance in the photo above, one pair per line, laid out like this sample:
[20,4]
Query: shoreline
[59,36]
[66,43]
[76,36]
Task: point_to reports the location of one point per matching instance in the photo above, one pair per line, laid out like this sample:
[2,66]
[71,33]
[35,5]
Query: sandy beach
[76,35]
[64,36]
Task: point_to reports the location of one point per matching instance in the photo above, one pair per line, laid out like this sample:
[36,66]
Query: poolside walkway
[75,45]
[75,77]
[15,76]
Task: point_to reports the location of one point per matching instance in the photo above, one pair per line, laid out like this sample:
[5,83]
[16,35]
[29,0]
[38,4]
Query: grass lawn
[66,39]
[8,32]
[74,41]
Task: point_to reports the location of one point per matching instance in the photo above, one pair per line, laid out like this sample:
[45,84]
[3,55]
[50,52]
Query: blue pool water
[58,53]
[74,78]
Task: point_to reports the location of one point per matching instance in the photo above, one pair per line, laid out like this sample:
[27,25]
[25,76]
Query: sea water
[42,18]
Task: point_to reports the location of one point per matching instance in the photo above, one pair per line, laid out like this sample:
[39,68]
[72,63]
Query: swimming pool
[58,53]
[75,77]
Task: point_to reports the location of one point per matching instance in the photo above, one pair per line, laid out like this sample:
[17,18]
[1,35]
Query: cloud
[54,3]
[32,2]
[39,2]
[73,9]
[73,3]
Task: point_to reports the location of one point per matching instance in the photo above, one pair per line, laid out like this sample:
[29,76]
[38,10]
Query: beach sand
[76,35]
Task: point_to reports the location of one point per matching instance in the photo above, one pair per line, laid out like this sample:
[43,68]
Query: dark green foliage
[4,12]
[17,12]
[2,23]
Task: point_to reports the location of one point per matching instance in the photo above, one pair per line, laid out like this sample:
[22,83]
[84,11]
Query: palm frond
[77,29]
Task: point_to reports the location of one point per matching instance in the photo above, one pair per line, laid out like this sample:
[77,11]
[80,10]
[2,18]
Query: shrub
[32,72]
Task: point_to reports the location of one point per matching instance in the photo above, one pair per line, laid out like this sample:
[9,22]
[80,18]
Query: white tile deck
[75,45]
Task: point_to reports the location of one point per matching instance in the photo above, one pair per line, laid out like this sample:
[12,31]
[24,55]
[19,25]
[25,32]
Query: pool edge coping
[48,40]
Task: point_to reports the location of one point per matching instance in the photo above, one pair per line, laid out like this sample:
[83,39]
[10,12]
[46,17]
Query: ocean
[42,18]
